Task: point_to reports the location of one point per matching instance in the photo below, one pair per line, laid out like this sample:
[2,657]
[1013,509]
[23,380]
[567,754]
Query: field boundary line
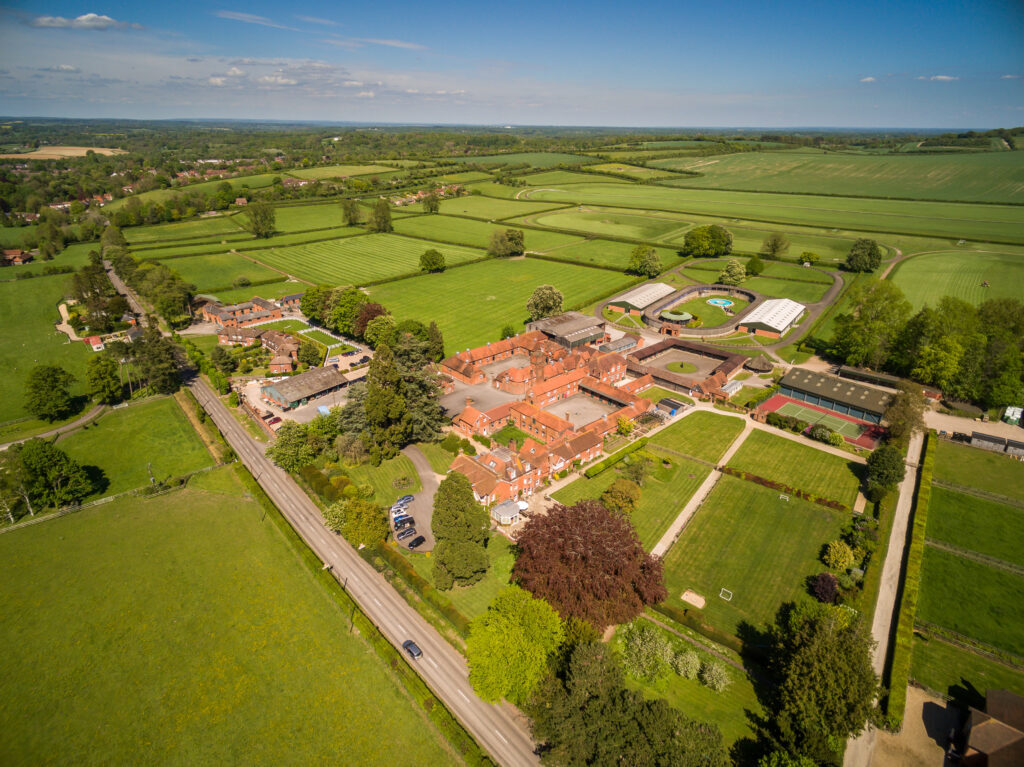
[934,631]
[982,559]
[695,643]
[978,493]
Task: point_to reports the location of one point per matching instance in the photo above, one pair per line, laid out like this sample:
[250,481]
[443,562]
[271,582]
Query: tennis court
[841,425]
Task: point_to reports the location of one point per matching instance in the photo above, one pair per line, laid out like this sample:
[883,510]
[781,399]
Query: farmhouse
[239,315]
[833,393]
[298,390]
[639,298]
[571,329]
[239,336]
[772,318]
[15,257]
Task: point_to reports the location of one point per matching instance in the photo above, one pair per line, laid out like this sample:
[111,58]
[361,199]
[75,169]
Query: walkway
[78,423]
[858,751]
[64,326]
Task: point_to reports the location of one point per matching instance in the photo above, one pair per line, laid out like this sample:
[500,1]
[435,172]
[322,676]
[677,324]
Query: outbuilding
[639,298]
[298,390]
[772,318]
[842,396]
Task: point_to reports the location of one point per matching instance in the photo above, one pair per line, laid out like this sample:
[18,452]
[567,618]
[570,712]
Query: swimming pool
[722,302]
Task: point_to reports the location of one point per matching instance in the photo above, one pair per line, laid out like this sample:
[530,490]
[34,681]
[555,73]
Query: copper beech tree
[587,562]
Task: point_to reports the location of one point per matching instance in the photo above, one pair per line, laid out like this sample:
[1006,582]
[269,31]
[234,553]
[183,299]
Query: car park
[410,647]
[404,524]
[416,542]
[409,533]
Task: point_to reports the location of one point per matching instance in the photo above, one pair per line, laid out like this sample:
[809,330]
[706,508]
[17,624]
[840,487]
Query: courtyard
[687,363]
[580,409]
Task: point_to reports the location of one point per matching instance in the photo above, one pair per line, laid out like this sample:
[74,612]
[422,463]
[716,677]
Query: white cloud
[867,79]
[277,79]
[218,81]
[939,78]
[1010,77]
[353,84]
[85,21]
[359,42]
[412,90]
[235,72]
[61,68]
[249,18]
[316,20]
[365,95]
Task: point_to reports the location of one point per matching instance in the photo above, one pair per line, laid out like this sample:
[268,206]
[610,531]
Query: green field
[180,230]
[129,442]
[927,219]
[206,187]
[799,466]
[274,290]
[973,523]
[801,292]
[28,312]
[700,434]
[477,234]
[358,260]
[534,159]
[188,634]
[221,270]
[606,253]
[709,314]
[246,242]
[961,674]
[297,218]
[471,304]
[382,478]
[557,177]
[473,600]
[663,496]
[974,177]
[638,225]
[979,601]
[746,540]
[633,171]
[337,171]
[323,338]
[75,255]
[778,269]
[981,469]
[285,326]
[926,278]
[491,208]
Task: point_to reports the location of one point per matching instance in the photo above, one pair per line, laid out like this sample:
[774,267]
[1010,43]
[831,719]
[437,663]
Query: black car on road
[410,647]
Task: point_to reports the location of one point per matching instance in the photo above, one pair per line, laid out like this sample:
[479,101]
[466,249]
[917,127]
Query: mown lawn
[960,673]
[477,234]
[439,458]
[383,478]
[701,434]
[222,270]
[973,467]
[656,393]
[129,442]
[974,523]
[746,540]
[188,634]
[799,466]
[472,601]
[195,227]
[478,206]
[983,602]
[927,278]
[663,495]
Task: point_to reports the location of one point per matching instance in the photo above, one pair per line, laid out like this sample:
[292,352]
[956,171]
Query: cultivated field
[799,466]
[340,171]
[358,260]
[746,540]
[703,435]
[477,234]
[927,278]
[974,177]
[472,303]
[189,634]
[534,159]
[129,443]
[222,270]
[59,152]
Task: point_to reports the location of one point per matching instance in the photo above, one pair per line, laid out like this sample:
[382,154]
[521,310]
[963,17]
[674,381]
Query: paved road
[496,728]
[422,507]
[128,293]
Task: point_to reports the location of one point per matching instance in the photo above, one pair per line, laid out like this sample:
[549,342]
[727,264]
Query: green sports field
[981,469]
[358,260]
[221,270]
[701,434]
[190,633]
[472,303]
[745,539]
[926,278]
[989,528]
[974,177]
[800,466]
[129,442]
[846,428]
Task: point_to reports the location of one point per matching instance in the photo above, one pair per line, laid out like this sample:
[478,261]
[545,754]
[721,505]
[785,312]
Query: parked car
[406,534]
[410,647]
[275,419]
[399,511]
[407,522]
[406,499]
[416,542]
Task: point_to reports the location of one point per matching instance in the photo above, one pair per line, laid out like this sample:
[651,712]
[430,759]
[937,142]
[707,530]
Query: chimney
[469,401]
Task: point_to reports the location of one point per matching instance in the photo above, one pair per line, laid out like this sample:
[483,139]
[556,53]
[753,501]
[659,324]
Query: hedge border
[614,458]
[903,644]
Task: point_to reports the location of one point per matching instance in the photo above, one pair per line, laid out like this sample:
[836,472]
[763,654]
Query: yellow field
[59,152]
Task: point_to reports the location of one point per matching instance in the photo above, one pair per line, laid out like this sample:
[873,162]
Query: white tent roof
[776,313]
[645,295]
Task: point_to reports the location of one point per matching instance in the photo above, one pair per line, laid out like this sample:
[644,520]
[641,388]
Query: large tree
[588,563]
[347,304]
[509,646]
[644,260]
[546,301]
[386,415]
[885,469]
[315,302]
[380,216]
[733,274]
[867,335]
[366,313]
[460,527]
[704,241]
[260,218]
[775,245]
[52,478]
[351,212]
[432,261]
[293,448]
[905,413]
[507,243]
[431,203]
[864,256]
[103,380]
[48,392]
[362,522]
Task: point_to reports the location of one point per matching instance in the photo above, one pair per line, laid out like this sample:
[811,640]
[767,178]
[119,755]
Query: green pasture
[129,442]
[745,539]
[28,313]
[801,292]
[181,230]
[473,600]
[298,218]
[475,233]
[927,219]
[709,314]
[14,236]
[558,177]
[700,434]
[189,634]
[221,270]
[664,493]
[259,181]
[75,256]
[246,242]
[926,278]
[973,467]
[973,177]
[463,178]
[974,599]
[490,208]
[959,673]
[989,528]
[636,225]
[358,260]
[471,304]
[633,171]
[606,253]
[273,290]
[800,466]
[778,269]
[534,159]
[338,171]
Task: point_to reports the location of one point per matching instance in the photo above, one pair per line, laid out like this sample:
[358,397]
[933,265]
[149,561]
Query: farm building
[571,329]
[299,389]
[291,302]
[772,318]
[621,345]
[995,736]
[639,298]
[671,406]
[869,376]
[833,393]
[719,366]
[240,315]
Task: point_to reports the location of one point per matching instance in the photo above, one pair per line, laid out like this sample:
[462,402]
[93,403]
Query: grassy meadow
[221,270]
[702,435]
[926,278]
[976,524]
[533,159]
[475,233]
[189,634]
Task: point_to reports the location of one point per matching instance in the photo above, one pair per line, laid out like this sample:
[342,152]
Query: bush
[821,433]
[714,676]
[467,447]
[825,588]
[836,439]
[686,664]
[838,556]
[451,443]
[485,441]
[613,459]
[646,653]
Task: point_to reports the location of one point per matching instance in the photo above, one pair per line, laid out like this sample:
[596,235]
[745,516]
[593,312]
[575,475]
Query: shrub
[825,588]
[714,676]
[451,443]
[686,664]
[821,433]
[836,439]
[467,447]
[485,441]
[646,652]
[838,556]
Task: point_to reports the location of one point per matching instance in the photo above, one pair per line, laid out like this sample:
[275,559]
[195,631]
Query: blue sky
[768,64]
